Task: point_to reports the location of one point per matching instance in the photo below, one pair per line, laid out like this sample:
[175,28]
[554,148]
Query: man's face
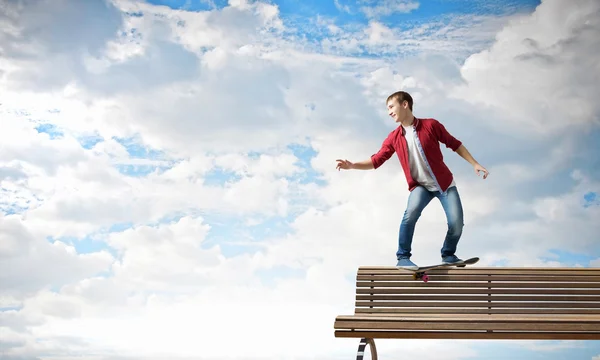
[396,110]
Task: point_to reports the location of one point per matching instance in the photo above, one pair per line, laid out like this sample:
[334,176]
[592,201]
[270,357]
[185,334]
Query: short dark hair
[401,96]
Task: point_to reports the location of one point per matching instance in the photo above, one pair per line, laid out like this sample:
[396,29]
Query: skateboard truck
[421,276]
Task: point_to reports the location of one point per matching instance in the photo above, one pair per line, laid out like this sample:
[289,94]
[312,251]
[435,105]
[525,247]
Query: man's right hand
[344,164]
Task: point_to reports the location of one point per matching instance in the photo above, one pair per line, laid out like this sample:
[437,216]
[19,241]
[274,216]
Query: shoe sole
[408,267]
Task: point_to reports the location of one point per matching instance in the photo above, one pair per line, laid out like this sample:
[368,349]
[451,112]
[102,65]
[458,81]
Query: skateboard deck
[421,271]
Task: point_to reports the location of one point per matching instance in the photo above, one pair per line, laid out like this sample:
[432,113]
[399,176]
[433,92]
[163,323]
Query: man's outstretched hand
[343,164]
[479,168]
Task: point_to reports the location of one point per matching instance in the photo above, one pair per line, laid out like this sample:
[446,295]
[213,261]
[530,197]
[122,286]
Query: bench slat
[592,319]
[435,291]
[487,271]
[468,325]
[540,316]
[419,311]
[464,277]
[516,304]
[431,297]
[418,283]
[465,325]
[468,335]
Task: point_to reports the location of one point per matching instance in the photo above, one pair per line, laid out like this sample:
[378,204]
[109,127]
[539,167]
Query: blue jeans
[417,201]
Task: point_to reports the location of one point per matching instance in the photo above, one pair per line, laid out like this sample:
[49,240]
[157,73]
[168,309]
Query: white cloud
[455,36]
[540,346]
[264,165]
[340,6]
[162,257]
[388,7]
[234,103]
[542,71]
[56,263]
[42,48]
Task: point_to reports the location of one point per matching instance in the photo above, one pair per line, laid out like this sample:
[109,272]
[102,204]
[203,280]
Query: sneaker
[452,259]
[405,263]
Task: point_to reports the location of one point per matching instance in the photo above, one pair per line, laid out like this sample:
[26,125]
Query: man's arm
[361,165]
[375,161]
[445,137]
[384,154]
[465,154]
[457,146]
[364,165]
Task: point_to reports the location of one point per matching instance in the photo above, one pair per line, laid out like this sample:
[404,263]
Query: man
[416,143]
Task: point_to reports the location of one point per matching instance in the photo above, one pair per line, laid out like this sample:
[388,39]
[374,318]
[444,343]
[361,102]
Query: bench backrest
[479,290]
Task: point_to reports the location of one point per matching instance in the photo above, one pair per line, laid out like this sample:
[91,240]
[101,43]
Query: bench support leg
[361,349]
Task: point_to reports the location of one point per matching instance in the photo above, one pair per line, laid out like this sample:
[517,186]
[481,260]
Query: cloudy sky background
[167,168]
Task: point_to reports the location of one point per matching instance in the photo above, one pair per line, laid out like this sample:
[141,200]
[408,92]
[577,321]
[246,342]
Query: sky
[167,167]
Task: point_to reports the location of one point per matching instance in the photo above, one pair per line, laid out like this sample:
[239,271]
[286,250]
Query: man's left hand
[479,168]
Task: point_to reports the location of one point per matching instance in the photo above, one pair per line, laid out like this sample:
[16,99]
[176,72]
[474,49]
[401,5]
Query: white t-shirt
[418,167]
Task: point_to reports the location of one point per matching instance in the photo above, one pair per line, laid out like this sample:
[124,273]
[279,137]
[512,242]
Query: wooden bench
[473,303]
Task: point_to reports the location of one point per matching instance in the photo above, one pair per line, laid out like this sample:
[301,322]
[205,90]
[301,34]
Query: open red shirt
[430,133]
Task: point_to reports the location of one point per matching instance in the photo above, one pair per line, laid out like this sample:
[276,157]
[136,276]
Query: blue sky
[302,16]
[497,351]
[152,118]
[346,11]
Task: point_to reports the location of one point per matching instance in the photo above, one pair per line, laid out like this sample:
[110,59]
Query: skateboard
[421,272]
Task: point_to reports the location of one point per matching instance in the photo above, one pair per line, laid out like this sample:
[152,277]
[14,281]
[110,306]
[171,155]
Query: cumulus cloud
[542,71]
[56,263]
[45,40]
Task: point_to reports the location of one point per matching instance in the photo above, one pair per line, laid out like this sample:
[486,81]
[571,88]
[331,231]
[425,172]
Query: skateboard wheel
[425,278]
[414,276]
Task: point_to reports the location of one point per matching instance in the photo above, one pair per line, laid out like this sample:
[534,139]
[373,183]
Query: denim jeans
[417,201]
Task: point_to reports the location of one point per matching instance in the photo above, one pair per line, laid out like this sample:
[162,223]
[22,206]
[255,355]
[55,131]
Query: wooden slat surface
[489,271]
[419,311]
[460,324]
[490,288]
[431,297]
[515,304]
[499,316]
[570,323]
[466,325]
[559,319]
[419,283]
[467,335]
[475,303]
[465,277]
[483,290]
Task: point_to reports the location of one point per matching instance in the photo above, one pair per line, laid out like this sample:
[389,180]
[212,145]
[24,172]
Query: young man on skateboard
[416,143]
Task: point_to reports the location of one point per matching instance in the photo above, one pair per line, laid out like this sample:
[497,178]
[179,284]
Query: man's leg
[454,215]
[417,200]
